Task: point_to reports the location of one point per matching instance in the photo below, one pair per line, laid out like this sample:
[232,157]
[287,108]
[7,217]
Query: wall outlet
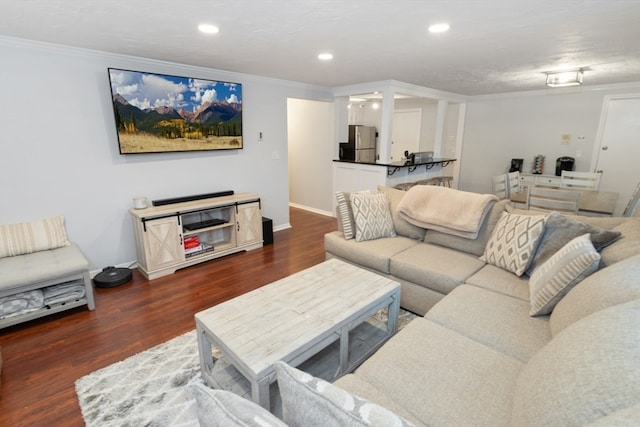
[565,139]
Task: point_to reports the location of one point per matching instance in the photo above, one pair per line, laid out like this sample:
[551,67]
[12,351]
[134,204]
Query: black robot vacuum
[112,276]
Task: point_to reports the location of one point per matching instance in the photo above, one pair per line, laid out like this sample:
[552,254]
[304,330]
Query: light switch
[275,155]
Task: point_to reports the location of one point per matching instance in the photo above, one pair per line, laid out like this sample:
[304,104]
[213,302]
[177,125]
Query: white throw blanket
[447,210]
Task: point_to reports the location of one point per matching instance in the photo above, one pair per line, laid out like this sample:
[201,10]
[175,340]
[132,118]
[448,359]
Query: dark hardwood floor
[44,358]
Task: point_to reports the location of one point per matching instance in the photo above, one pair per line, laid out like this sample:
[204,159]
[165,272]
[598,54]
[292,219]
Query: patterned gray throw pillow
[308,401]
[372,216]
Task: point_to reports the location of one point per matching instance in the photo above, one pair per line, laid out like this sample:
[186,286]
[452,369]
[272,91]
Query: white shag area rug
[153,388]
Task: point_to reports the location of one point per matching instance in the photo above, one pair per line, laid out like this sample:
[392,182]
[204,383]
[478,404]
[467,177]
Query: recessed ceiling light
[325,56]
[439,28]
[208,28]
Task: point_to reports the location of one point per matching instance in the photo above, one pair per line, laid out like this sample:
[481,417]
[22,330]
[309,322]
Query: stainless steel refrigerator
[361,146]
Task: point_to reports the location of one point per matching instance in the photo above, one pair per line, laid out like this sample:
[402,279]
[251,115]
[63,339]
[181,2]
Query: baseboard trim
[310,209]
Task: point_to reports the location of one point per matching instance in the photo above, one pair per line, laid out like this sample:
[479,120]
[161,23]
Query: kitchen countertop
[395,166]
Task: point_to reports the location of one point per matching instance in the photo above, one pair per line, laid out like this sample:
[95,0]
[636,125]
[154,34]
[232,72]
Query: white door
[405,133]
[618,155]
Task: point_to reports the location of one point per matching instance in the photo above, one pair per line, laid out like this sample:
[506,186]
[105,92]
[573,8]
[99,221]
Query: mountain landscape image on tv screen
[157,113]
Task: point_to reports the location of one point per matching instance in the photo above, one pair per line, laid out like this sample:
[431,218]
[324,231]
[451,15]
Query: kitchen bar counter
[393,167]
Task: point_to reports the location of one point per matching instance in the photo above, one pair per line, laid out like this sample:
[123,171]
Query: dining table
[592,202]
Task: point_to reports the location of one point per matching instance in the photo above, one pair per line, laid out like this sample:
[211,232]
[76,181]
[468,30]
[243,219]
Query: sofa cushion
[627,245]
[434,267]
[492,319]
[498,280]
[514,241]
[607,287]
[441,376]
[344,212]
[401,225]
[372,216]
[34,236]
[475,246]
[560,230]
[358,386]
[41,266]
[374,254]
[587,371]
[565,269]
[308,401]
[218,408]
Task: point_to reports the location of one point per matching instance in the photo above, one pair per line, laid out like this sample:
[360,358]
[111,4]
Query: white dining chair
[500,186]
[551,199]
[513,183]
[581,180]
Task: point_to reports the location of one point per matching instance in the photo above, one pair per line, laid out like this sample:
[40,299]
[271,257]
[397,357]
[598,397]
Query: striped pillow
[345,213]
[29,237]
[565,269]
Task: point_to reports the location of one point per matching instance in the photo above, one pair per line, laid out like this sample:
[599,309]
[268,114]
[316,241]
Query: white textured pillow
[346,213]
[514,241]
[29,237]
[219,408]
[310,402]
[565,269]
[372,216]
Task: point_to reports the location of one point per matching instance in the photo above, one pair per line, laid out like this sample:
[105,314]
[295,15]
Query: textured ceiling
[493,46]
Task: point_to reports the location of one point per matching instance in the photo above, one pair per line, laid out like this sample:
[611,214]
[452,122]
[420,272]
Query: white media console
[177,235]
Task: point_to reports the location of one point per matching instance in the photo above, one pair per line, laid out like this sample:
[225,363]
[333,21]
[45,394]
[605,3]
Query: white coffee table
[293,319]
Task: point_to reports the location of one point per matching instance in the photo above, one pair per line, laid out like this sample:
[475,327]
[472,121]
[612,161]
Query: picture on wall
[157,113]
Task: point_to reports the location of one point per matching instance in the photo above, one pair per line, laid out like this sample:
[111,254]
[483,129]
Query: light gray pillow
[565,269]
[309,402]
[372,216]
[219,408]
[560,230]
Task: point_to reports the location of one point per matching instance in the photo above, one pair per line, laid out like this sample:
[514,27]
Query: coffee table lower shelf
[364,340]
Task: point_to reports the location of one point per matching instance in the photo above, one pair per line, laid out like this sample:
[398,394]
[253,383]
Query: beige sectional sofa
[430,264]
[479,357]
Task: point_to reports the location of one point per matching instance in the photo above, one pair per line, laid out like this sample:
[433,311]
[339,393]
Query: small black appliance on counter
[564,164]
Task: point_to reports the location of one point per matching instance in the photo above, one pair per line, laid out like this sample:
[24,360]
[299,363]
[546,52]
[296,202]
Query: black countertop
[395,166]
[402,164]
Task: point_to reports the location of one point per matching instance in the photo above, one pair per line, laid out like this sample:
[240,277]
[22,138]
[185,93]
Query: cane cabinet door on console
[249,223]
[163,243]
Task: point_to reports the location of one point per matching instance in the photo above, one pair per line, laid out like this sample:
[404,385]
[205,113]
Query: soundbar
[173,200]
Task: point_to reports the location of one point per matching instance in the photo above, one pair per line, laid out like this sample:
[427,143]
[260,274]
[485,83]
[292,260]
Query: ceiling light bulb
[439,28]
[208,28]
[325,56]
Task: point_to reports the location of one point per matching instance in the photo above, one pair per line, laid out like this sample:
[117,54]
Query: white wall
[311,127]
[499,128]
[59,155]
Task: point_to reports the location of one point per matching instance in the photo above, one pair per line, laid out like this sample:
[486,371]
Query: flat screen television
[158,113]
